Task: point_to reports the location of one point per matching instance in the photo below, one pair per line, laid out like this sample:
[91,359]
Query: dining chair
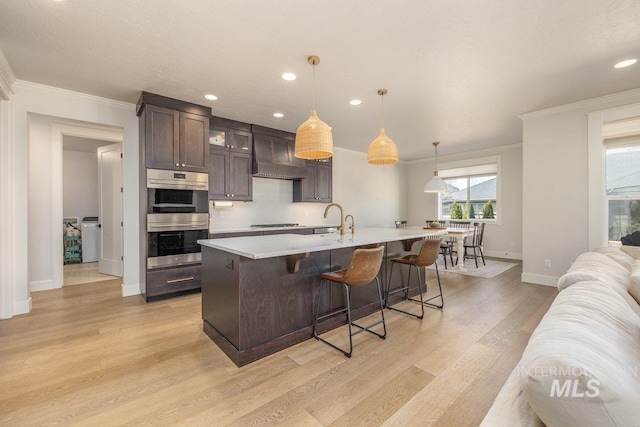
[448,246]
[475,243]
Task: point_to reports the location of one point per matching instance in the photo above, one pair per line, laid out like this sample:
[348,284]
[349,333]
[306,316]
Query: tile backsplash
[272,204]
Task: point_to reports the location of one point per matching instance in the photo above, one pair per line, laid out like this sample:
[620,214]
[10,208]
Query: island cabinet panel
[221,275]
[255,307]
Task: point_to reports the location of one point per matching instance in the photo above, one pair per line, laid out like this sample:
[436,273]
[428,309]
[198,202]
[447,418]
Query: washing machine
[90,235]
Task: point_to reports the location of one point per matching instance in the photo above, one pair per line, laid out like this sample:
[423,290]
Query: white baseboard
[22,307]
[539,279]
[507,255]
[128,290]
[41,285]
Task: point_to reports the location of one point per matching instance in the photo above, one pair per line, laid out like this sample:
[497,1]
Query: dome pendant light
[436,184]
[313,137]
[382,151]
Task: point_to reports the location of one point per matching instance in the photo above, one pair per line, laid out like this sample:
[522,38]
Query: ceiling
[457,71]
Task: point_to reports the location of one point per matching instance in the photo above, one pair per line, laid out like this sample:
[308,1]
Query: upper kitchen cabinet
[176,133]
[317,188]
[230,148]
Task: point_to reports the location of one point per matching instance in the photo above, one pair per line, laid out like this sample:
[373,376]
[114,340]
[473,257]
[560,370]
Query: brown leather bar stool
[362,270]
[428,255]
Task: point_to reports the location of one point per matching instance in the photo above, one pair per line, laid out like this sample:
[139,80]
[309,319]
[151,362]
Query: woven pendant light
[382,151]
[313,137]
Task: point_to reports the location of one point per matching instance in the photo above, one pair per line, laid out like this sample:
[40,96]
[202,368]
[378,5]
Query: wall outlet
[547,263]
[512,244]
[220,214]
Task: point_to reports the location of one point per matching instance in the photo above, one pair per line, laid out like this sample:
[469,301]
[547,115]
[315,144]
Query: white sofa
[581,366]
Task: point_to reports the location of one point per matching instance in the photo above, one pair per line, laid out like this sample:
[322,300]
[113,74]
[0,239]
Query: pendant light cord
[314,86]
[382,111]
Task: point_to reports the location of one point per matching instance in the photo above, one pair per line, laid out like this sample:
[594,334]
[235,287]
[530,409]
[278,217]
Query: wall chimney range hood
[273,155]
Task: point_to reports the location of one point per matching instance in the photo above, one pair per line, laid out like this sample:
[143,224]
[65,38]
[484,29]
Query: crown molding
[22,84]
[7,78]
[475,153]
[359,153]
[582,104]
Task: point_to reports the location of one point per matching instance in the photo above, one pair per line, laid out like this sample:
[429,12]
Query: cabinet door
[240,178]
[239,141]
[194,142]
[218,173]
[324,191]
[162,138]
[304,190]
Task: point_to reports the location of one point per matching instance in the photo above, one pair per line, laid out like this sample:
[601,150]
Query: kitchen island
[258,292]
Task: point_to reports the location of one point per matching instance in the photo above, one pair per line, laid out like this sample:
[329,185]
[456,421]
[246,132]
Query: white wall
[374,195]
[32,98]
[502,239]
[79,184]
[556,185]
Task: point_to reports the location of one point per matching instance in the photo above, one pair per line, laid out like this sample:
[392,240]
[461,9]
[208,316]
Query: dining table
[460,235]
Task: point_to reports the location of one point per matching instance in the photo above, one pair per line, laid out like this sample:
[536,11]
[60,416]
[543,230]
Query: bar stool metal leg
[405,289]
[350,323]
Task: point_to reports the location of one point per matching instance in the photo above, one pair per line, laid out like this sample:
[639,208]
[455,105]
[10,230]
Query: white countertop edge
[271,246]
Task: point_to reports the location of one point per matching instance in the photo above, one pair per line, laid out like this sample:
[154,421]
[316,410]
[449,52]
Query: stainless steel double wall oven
[177,216]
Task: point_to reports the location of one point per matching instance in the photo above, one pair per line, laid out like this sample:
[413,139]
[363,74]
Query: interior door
[110,209]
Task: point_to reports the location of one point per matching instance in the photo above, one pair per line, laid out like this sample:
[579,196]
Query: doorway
[92,210]
[46,229]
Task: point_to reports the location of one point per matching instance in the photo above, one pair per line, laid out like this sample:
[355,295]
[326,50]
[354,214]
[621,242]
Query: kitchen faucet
[353,223]
[341,228]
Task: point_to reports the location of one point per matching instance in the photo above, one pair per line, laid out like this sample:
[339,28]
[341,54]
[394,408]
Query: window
[473,192]
[622,190]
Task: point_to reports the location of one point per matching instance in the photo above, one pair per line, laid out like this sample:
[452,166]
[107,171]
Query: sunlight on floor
[76,274]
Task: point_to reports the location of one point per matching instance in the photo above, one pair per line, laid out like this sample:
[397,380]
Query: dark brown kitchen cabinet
[230,164]
[168,282]
[317,188]
[176,133]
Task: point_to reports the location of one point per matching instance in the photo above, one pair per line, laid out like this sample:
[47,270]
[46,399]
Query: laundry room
[81,207]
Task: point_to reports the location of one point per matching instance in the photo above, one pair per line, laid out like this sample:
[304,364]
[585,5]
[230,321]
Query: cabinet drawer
[169,280]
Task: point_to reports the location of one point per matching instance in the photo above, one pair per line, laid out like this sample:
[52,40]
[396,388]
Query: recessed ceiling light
[211,97]
[355,102]
[289,76]
[278,115]
[625,63]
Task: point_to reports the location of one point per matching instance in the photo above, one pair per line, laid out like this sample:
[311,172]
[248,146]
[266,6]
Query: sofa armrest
[511,409]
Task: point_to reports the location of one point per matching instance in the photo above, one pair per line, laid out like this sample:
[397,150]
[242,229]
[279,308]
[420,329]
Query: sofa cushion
[622,258]
[597,268]
[594,266]
[582,364]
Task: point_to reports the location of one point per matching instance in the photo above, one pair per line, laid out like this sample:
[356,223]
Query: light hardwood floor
[87,356]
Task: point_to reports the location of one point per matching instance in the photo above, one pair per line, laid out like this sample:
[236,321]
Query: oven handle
[177,186]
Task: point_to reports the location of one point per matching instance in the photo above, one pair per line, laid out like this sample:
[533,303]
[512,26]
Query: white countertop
[255,228]
[258,247]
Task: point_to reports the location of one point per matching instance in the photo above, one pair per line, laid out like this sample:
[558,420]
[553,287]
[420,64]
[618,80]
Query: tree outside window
[468,197]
